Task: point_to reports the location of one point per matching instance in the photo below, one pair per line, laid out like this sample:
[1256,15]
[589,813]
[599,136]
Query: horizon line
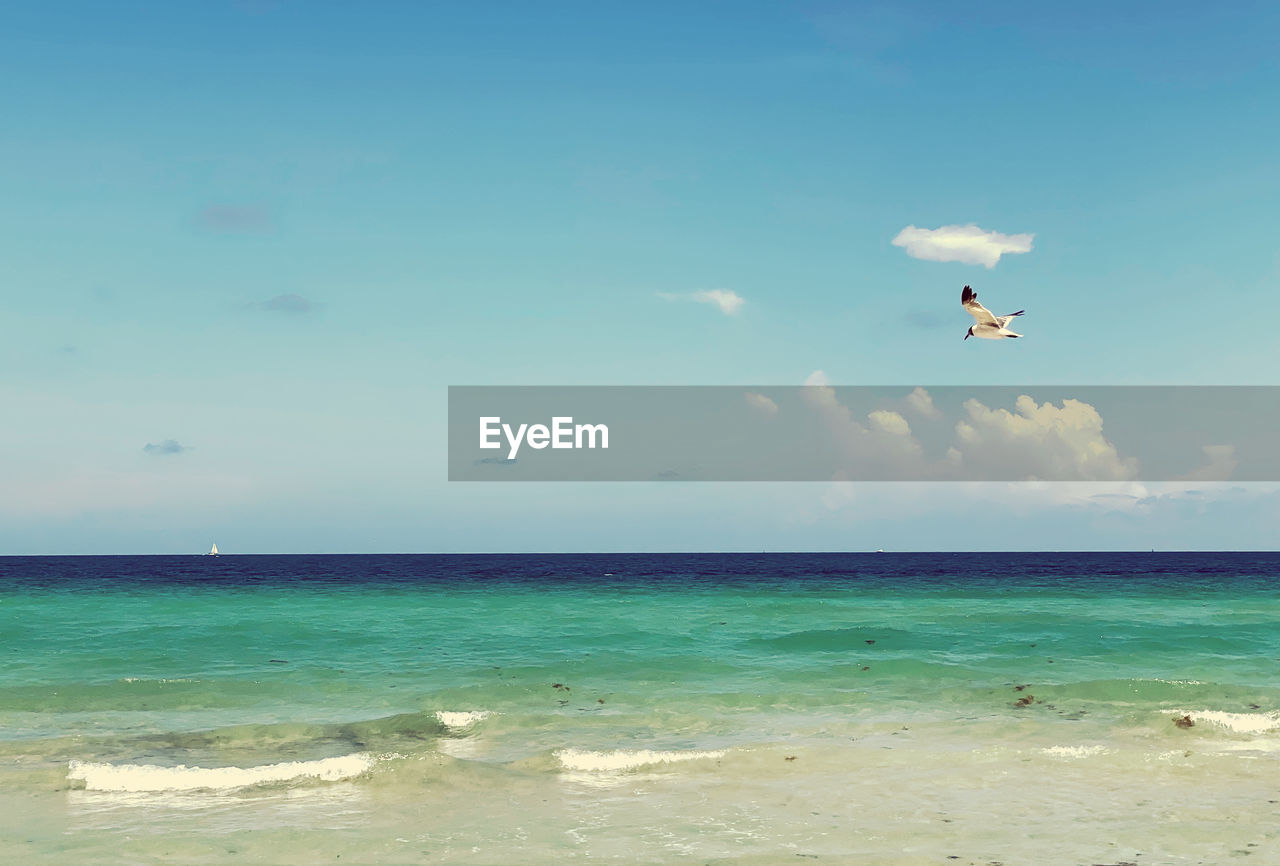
[859,552]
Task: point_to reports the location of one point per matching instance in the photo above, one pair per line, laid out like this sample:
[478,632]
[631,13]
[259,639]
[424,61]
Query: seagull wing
[969,300]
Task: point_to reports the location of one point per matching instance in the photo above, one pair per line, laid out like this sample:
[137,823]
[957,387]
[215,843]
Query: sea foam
[1075,751]
[461,720]
[1240,723]
[620,760]
[149,777]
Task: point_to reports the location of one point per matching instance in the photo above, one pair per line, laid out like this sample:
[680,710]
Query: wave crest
[620,760]
[1240,723]
[149,777]
[456,720]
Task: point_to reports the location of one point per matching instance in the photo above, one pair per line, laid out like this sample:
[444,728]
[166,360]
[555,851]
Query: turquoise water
[896,708]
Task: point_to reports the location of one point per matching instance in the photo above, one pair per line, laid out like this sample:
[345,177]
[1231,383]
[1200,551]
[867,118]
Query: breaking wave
[621,760]
[149,777]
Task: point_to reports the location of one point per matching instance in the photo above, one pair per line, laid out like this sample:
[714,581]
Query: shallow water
[895,708]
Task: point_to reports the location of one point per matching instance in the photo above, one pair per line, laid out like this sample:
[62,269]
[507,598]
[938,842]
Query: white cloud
[968,244]
[762,404]
[880,449]
[729,301]
[1034,443]
[1039,441]
[889,422]
[920,402]
[1101,496]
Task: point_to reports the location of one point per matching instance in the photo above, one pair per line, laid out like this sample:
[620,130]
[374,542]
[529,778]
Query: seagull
[988,327]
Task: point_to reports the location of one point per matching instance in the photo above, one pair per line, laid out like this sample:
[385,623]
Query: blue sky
[273,233]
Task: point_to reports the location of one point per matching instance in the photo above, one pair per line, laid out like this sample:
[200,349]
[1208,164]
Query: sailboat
[213,551]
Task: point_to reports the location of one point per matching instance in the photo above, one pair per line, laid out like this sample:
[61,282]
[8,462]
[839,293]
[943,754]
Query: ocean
[1010,708]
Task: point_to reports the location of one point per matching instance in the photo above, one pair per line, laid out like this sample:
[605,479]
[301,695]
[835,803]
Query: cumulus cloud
[889,422]
[1037,441]
[920,402]
[728,301]
[1033,442]
[881,447]
[288,303]
[762,404]
[968,244]
[168,446]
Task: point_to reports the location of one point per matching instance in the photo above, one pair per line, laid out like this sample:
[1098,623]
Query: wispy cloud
[728,301]
[168,446]
[967,244]
[288,303]
[234,218]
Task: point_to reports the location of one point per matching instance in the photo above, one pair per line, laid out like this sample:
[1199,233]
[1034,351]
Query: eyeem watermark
[562,433]
[1040,433]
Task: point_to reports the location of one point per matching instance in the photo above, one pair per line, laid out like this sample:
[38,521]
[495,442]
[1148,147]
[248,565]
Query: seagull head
[968,334]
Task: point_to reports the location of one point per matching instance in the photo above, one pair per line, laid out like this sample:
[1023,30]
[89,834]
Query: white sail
[213,551]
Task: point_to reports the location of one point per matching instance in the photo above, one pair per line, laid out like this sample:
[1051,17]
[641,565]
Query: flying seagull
[988,327]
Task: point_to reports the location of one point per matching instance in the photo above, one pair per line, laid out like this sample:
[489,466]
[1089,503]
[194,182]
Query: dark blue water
[1105,572]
